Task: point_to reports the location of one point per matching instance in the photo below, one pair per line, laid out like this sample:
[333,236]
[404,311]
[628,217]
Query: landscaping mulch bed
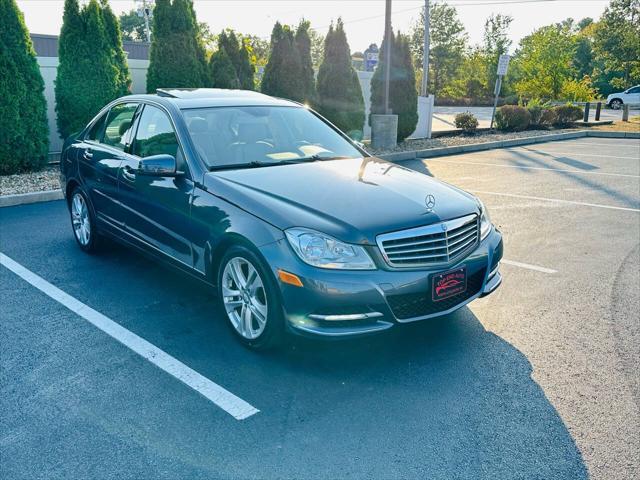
[45,179]
[453,141]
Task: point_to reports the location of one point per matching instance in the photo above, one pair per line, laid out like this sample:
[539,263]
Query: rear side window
[119,121]
[155,134]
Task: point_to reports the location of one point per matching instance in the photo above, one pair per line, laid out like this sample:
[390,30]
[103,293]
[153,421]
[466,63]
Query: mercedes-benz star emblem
[430,201]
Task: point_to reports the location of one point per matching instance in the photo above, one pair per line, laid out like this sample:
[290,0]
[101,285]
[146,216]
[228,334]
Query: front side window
[634,90]
[238,136]
[155,134]
[95,133]
[118,129]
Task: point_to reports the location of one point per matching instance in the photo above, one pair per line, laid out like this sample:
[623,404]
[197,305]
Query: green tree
[283,72]
[114,37]
[339,95]
[24,140]
[132,26]
[448,41]
[239,53]
[84,46]
[617,42]
[545,63]
[403,98]
[223,73]
[496,42]
[303,46]
[177,57]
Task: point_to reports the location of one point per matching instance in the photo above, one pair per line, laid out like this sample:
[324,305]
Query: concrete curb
[33,197]
[476,147]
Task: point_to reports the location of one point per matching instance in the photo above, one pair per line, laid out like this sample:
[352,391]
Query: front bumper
[334,303]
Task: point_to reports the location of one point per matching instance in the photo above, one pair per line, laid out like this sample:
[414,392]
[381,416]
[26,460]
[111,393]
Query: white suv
[631,96]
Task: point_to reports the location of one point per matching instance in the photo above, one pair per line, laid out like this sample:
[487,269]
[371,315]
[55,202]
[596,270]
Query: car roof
[185,98]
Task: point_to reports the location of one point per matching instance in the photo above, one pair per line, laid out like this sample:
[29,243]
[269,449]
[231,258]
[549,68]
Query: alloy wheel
[244,297]
[80,219]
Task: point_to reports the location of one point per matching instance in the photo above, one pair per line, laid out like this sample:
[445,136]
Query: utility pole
[145,12]
[425,51]
[387,54]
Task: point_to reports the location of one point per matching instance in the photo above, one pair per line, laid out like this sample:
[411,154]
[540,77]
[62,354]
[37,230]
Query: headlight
[321,250]
[485,220]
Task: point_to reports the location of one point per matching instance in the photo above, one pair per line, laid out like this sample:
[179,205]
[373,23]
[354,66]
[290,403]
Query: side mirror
[159,166]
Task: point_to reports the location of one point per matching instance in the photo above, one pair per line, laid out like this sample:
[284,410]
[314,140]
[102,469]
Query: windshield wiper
[288,161]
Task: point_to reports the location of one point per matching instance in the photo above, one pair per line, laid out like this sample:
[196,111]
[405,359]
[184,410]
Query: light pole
[387,54]
[425,52]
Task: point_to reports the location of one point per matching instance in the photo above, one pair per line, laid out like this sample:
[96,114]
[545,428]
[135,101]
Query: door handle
[128,173]
[87,154]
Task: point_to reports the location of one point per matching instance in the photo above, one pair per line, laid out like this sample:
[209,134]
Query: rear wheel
[616,104]
[249,297]
[83,222]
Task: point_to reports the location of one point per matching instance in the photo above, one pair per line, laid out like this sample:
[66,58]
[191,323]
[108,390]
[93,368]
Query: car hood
[352,199]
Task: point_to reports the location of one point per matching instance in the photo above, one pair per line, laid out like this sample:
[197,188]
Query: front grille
[412,305]
[441,243]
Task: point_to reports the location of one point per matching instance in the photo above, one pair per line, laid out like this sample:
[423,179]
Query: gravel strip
[423,143]
[46,179]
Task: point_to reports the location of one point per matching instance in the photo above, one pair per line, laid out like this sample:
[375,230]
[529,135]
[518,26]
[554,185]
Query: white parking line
[557,200]
[528,266]
[581,172]
[574,154]
[224,399]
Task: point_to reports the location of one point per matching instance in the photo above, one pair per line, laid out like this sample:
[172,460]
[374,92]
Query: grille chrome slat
[438,244]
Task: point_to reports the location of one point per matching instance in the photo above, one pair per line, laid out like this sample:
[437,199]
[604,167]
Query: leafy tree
[448,41]
[114,37]
[177,58]
[403,98]
[496,42]
[84,46]
[223,73]
[258,49]
[616,43]
[283,72]
[240,56]
[24,131]
[303,46]
[545,62]
[339,96]
[132,26]
[317,47]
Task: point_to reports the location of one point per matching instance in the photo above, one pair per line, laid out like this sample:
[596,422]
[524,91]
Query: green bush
[403,98]
[283,72]
[541,114]
[176,58]
[565,114]
[466,121]
[88,76]
[512,118]
[24,134]
[339,94]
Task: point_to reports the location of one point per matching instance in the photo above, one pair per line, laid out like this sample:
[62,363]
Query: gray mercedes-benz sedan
[296,226]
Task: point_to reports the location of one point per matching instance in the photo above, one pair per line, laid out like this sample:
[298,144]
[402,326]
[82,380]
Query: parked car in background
[295,225]
[629,96]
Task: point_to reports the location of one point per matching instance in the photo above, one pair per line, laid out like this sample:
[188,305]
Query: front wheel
[248,294]
[616,104]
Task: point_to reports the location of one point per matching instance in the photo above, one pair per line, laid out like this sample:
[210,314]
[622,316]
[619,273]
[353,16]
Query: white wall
[49,68]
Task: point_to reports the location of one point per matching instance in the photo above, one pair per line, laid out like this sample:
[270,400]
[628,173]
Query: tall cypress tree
[114,35]
[223,73]
[87,78]
[238,54]
[303,45]
[177,54]
[23,119]
[403,98]
[283,72]
[339,94]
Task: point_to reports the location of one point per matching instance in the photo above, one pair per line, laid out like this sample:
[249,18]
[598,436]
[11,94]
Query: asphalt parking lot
[539,380]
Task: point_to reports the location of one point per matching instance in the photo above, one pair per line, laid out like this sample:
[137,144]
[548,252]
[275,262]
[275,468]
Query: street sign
[503,64]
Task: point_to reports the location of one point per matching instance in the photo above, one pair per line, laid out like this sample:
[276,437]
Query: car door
[100,155]
[633,96]
[157,208]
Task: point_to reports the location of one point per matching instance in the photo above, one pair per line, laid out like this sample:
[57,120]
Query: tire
[616,104]
[249,299]
[83,222]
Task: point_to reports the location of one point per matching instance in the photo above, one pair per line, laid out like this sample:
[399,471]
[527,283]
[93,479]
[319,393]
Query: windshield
[226,137]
